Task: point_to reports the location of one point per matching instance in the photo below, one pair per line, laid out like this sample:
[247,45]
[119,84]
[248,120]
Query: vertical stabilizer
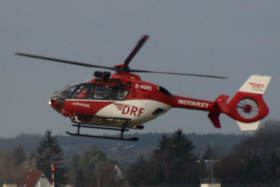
[256,84]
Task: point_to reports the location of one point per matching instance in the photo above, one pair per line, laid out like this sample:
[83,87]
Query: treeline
[80,171]
[14,164]
[173,162]
[123,152]
[254,159]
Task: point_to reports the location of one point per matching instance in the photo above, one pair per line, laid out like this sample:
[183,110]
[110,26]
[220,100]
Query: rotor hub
[247,108]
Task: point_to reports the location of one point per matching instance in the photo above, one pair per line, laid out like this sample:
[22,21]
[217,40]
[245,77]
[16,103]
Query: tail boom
[247,106]
[214,108]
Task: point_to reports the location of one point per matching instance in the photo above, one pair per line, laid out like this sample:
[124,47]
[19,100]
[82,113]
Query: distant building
[210,182]
[110,176]
[34,179]
[10,184]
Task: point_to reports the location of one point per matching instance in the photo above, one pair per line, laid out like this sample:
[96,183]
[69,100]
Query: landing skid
[134,139]
[122,130]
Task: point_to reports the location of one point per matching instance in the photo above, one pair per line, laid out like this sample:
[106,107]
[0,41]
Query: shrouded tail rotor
[247,108]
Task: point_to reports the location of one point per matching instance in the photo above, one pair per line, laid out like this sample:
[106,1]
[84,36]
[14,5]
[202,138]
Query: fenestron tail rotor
[247,108]
[121,68]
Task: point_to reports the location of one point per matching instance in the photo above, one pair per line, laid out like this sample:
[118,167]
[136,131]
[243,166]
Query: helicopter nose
[56,102]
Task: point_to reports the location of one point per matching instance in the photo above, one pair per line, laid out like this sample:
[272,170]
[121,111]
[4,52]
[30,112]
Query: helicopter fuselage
[124,99]
[121,100]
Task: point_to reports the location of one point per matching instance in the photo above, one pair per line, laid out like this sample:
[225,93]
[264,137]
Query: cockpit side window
[84,91]
[119,94]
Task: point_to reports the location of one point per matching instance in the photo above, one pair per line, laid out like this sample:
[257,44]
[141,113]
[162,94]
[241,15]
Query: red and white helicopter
[123,101]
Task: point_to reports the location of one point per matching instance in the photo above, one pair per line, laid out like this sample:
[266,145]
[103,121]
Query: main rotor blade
[64,61]
[134,51]
[171,73]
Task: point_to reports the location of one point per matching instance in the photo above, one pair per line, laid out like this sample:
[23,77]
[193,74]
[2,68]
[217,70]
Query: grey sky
[227,38]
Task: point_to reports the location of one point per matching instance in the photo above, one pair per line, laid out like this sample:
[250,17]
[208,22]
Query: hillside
[122,151]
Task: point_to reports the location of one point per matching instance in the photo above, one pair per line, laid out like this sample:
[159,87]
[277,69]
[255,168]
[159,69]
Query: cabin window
[102,92]
[119,94]
[109,93]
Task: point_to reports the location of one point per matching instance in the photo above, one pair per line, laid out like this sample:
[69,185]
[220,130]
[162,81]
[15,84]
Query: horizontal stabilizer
[248,126]
[221,101]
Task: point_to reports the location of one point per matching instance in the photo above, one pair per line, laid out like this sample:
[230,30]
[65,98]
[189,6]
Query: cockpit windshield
[93,91]
[64,94]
